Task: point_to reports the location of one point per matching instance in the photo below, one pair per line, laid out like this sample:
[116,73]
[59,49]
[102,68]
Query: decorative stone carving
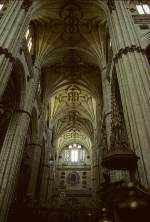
[119,156]
[73,178]
[71,24]
[26,4]
[111,5]
[126,50]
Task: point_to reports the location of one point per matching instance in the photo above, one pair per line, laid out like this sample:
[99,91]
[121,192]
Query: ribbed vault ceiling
[69,39]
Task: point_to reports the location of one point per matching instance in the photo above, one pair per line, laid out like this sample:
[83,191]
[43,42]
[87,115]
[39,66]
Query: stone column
[44,185]
[134,82]
[13,26]
[12,150]
[96,169]
[37,147]
[50,184]
[93,168]
[46,172]
[35,169]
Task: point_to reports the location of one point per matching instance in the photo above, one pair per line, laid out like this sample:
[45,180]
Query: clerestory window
[29,39]
[74,154]
[1,6]
[143,9]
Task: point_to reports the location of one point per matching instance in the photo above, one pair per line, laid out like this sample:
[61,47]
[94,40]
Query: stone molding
[26,4]
[22,111]
[7,54]
[126,50]
[45,165]
[35,144]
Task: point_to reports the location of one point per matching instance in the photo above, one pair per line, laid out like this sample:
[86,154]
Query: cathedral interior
[74,110]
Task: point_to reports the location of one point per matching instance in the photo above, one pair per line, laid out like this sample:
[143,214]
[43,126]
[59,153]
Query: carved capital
[26,4]
[23,111]
[111,5]
[35,144]
[7,54]
[126,50]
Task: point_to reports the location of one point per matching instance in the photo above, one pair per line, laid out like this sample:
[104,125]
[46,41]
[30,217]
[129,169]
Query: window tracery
[143,9]
[74,154]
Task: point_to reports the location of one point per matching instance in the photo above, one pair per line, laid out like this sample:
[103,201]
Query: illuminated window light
[30,40]
[74,155]
[81,158]
[140,9]
[74,145]
[27,33]
[143,9]
[1,6]
[79,146]
[30,44]
[70,146]
[146,9]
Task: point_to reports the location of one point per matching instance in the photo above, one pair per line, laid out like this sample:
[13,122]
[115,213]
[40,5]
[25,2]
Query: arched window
[143,9]
[28,37]
[1,6]
[74,154]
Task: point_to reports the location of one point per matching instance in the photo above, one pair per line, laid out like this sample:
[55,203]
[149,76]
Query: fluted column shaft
[134,82]
[51,184]
[46,172]
[44,185]
[35,169]
[37,146]
[12,150]
[96,166]
[93,168]
[13,26]
[99,155]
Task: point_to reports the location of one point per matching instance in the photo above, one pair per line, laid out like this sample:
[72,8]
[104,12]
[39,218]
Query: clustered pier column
[14,24]
[38,147]
[134,82]
[12,149]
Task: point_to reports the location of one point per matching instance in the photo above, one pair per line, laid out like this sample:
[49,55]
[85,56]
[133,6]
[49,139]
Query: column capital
[104,68]
[111,5]
[6,109]
[107,114]
[26,4]
[35,144]
[22,111]
[46,165]
[50,179]
[126,50]
[7,54]
[37,68]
